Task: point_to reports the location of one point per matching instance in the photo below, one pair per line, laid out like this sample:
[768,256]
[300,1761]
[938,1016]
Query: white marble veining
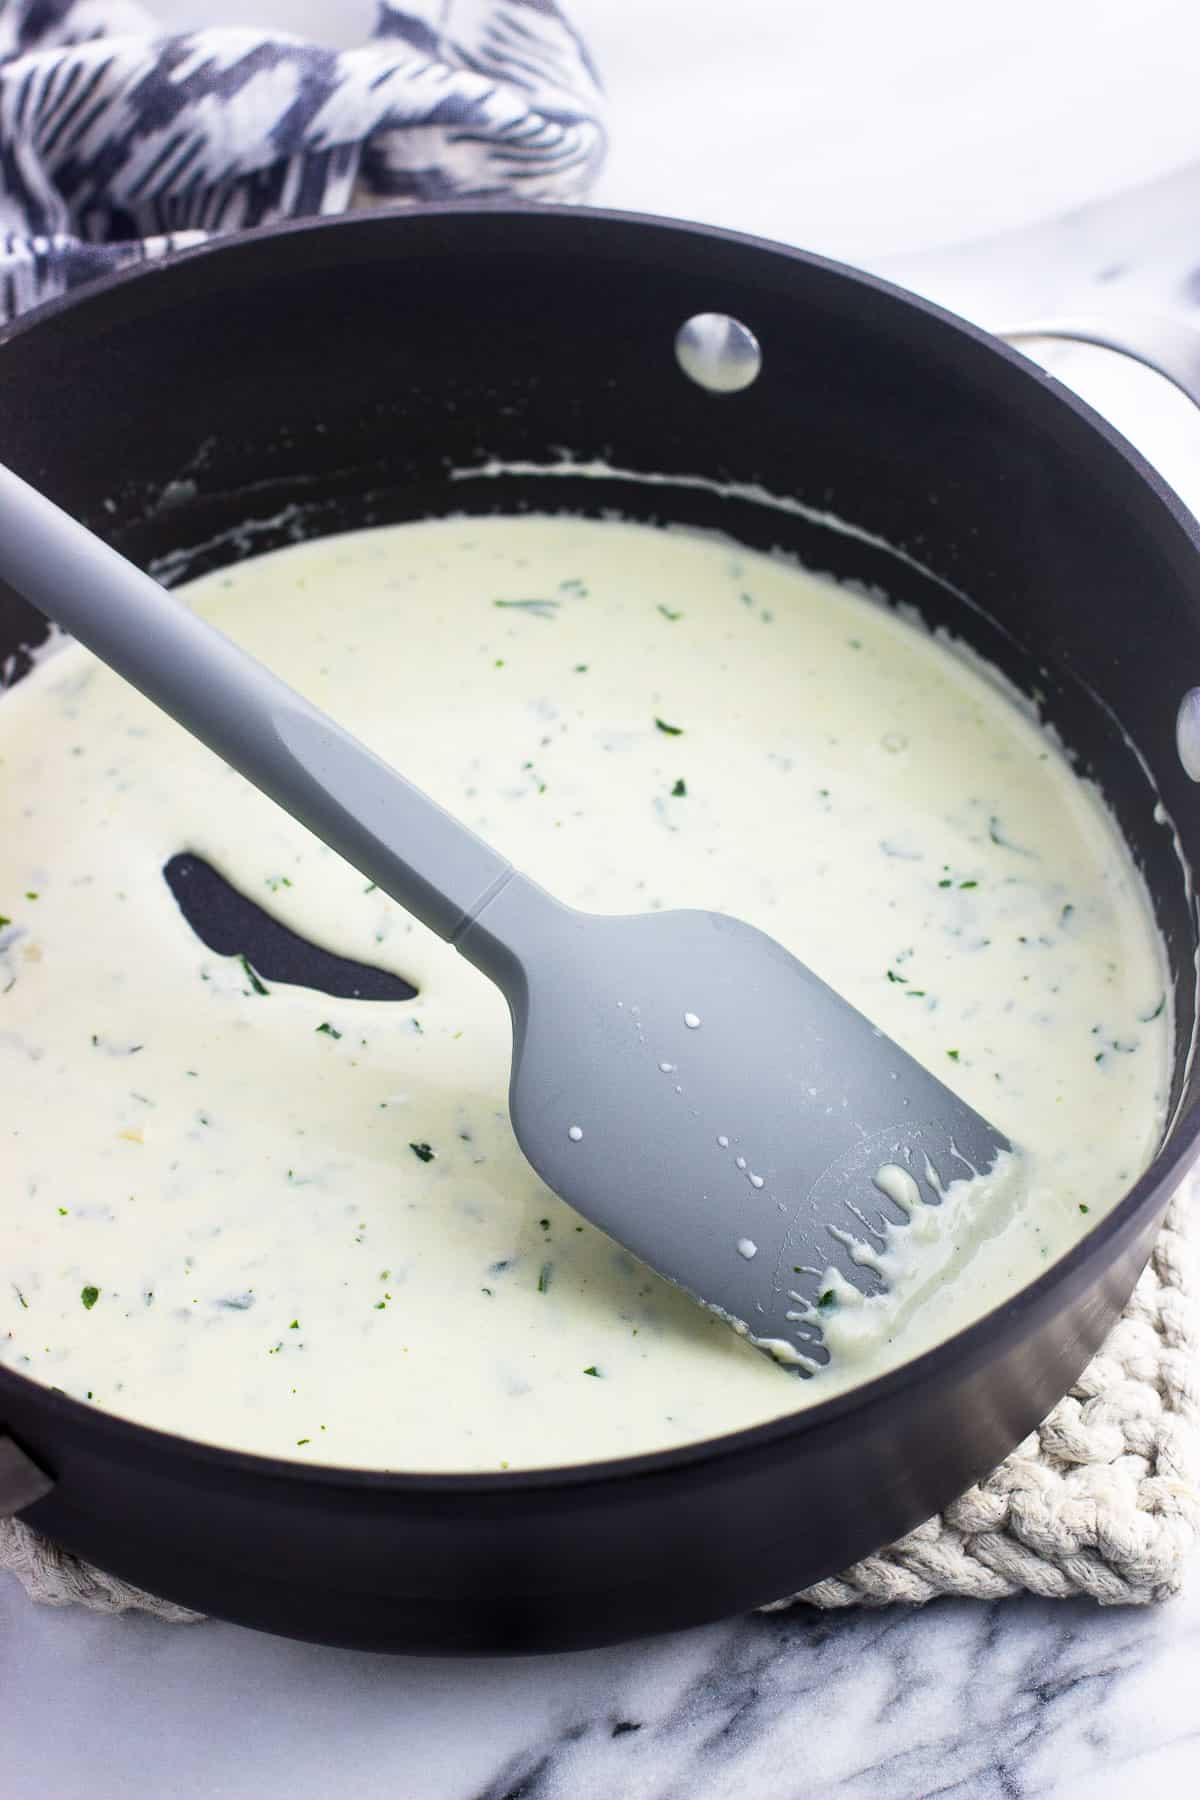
[1048,144]
[982,1702]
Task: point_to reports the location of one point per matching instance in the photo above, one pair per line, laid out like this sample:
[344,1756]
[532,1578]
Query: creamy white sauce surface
[301,1225]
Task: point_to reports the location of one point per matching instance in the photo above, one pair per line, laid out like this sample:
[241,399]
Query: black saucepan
[372,368]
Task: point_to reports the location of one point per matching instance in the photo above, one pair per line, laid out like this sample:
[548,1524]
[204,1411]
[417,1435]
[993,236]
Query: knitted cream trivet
[1102,1499]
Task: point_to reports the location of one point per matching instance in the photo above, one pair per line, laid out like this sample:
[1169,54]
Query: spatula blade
[697,1092]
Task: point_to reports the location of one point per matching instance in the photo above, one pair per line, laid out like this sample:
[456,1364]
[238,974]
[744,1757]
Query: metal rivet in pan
[1187,732]
[718,353]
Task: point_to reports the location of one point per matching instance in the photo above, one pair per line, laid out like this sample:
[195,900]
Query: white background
[861,127]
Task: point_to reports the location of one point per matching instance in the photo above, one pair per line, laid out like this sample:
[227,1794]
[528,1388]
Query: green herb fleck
[541,609]
[1084,1208]
[953,1055]
[252,978]
[668,614]
[485,1290]
[499,662]
[671,730]
[295,1325]
[545,1278]
[422,1152]
[945,882]
[581,668]
[300,1441]
[545,1224]
[1157,1013]
[592,1370]
[892,976]
[679,791]
[89,1297]
[4,921]
[329,1030]
[62,1212]
[31,893]
[968,884]
[827,1299]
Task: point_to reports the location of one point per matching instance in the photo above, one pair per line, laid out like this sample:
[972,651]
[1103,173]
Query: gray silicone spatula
[678,1077]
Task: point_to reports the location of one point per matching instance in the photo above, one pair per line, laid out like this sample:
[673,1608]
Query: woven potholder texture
[1102,1499]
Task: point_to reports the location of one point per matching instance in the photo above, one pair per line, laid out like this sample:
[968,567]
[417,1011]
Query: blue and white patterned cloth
[118,144]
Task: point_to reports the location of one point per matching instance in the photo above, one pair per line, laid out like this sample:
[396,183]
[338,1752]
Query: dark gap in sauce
[233,925]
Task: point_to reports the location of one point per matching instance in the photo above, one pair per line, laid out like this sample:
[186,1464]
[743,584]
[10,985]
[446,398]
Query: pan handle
[1171,347]
[1168,345]
[21,1481]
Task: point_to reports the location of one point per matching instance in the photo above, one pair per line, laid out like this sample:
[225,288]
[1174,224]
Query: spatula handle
[416,852]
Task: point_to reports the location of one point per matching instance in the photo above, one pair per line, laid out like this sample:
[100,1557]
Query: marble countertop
[1007,162]
[981,1702]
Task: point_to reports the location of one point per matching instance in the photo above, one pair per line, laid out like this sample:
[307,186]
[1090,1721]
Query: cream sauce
[217,1214]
